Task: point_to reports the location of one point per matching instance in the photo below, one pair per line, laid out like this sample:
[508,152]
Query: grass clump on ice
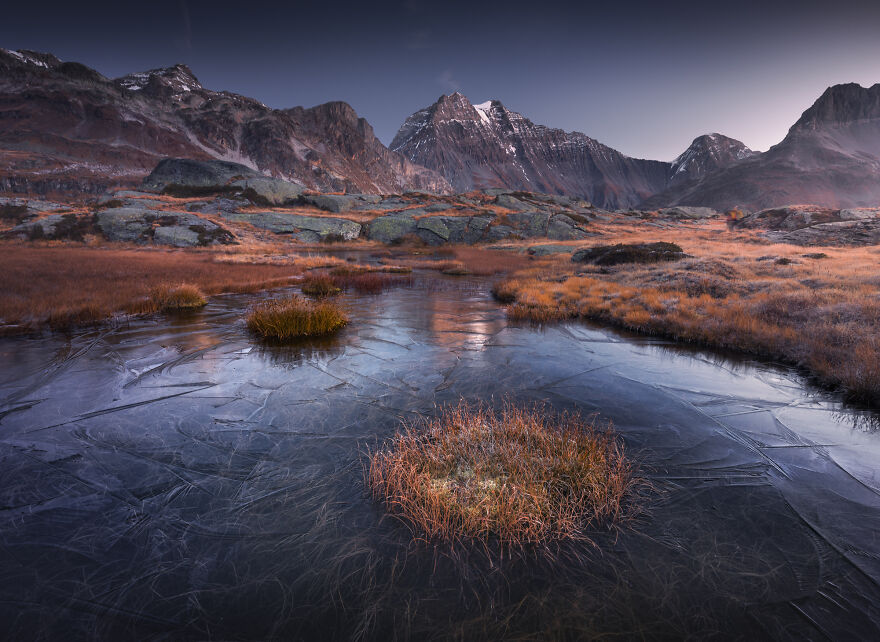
[293,317]
[184,296]
[520,475]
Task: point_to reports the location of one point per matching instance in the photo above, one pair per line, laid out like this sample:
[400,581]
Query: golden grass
[319,285]
[823,315]
[184,296]
[63,286]
[294,317]
[519,475]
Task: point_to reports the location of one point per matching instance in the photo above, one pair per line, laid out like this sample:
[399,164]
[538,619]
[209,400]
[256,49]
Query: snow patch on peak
[483,110]
[26,58]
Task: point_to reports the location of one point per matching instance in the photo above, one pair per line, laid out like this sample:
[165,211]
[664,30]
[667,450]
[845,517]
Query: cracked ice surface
[176,477]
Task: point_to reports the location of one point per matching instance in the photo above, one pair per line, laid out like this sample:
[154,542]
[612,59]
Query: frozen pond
[176,478]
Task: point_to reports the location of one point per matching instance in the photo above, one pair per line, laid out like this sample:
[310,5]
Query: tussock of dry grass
[177,297]
[294,317]
[319,285]
[519,475]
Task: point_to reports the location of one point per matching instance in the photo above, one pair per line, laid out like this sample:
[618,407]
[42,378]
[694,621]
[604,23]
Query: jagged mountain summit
[488,145]
[706,154]
[830,157]
[65,127]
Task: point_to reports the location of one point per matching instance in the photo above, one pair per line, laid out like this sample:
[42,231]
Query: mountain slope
[66,127]
[487,145]
[830,157]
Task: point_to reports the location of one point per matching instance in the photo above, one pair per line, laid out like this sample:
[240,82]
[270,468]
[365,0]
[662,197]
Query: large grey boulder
[176,235]
[530,224]
[309,229]
[265,190]
[549,249]
[512,203]
[563,228]
[195,173]
[391,228]
[331,202]
[433,230]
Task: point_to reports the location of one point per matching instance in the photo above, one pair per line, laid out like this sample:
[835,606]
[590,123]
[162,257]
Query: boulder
[563,228]
[475,229]
[501,232]
[549,249]
[195,173]
[391,228]
[176,235]
[432,230]
[309,229]
[263,190]
[512,203]
[629,253]
[331,202]
[530,224]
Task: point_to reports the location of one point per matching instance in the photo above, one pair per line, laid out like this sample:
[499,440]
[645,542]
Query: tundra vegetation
[819,310]
[293,317]
[519,475]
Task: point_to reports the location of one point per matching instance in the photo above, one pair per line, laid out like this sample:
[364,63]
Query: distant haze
[643,77]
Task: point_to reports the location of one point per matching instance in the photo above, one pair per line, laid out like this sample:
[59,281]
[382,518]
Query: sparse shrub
[177,297]
[519,475]
[319,285]
[294,317]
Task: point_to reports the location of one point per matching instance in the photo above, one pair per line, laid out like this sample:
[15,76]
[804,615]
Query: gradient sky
[644,77]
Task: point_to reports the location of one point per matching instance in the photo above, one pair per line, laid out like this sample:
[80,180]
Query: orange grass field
[64,285]
[521,475]
[821,313]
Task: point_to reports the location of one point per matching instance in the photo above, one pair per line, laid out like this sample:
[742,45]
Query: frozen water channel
[176,478]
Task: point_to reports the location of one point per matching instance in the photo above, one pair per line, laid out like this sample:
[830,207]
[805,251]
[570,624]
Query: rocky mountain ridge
[65,127]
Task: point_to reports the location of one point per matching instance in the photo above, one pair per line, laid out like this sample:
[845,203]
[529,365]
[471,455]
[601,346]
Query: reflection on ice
[177,477]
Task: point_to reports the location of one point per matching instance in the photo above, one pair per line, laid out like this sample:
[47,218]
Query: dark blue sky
[643,77]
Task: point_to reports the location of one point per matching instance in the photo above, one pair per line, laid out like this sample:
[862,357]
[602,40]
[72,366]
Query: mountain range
[66,128]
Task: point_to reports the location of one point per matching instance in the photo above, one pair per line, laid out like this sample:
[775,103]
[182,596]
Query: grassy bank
[818,308]
[69,285]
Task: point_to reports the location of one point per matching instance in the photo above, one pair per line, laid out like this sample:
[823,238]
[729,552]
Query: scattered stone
[143,225]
